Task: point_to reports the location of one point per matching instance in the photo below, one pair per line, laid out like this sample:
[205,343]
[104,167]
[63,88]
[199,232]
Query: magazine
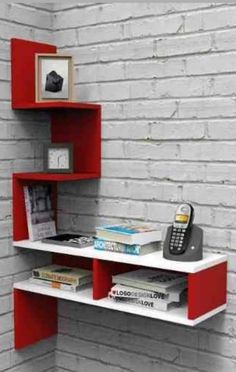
[39,212]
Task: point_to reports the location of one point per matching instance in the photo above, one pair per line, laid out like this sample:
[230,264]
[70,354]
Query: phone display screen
[182,218]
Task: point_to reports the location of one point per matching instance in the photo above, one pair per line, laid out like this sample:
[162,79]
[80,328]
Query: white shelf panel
[154,260]
[176,315]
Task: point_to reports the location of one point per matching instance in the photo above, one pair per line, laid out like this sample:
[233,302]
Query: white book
[150,279]
[57,285]
[133,249]
[129,233]
[147,303]
[63,274]
[39,211]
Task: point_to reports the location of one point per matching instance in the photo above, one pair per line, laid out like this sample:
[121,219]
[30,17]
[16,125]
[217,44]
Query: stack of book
[131,239]
[153,289]
[61,277]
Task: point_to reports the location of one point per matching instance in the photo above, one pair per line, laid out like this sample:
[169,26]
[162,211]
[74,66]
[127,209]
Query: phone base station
[193,252]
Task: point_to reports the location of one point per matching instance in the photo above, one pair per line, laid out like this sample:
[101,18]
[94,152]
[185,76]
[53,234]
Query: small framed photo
[58,158]
[53,77]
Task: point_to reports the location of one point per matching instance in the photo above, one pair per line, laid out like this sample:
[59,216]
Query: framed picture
[53,77]
[58,158]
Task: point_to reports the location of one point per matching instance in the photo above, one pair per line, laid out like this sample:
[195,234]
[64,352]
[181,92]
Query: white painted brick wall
[21,138]
[165,74]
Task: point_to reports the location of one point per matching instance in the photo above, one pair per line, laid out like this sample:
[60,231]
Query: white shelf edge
[152,260]
[177,315]
[208,315]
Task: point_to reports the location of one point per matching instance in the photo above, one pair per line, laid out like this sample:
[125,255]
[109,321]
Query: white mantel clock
[58,158]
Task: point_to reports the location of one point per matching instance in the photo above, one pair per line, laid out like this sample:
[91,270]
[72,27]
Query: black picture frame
[47,148]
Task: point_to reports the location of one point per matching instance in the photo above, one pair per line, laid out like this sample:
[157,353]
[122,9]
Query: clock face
[58,158]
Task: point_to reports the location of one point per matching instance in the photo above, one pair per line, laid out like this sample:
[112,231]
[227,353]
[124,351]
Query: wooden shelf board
[41,176]
[153,260]
[177,315]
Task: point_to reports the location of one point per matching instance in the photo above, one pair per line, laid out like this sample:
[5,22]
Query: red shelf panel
[73,122]
[23,69]
[23,78]
[203,293]
[55,176]
[32,322]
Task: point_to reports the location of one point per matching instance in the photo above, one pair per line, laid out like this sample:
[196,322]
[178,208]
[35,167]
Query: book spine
[51,284]
[139,294]
[106,245]
[145,286]
[149,304]
[62,278]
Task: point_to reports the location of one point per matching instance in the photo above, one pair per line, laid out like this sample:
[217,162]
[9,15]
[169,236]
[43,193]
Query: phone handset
[181,229]
[184,239]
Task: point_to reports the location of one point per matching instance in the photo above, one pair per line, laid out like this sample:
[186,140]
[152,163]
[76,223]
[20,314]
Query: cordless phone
[181,229]
[183,239]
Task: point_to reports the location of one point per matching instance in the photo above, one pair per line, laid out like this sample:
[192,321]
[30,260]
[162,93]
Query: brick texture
[21,138]
[165,74]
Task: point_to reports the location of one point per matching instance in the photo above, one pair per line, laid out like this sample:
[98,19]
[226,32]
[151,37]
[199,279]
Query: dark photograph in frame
[54,77]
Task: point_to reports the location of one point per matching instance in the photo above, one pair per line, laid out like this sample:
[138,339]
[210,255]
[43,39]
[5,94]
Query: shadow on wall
[102,339]
[78,206]
[33,131]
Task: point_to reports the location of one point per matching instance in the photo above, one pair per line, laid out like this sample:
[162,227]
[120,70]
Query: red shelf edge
[56,105]
[40,176]
[203,295]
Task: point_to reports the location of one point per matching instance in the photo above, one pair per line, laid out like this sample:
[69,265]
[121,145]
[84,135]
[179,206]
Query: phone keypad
[177,239]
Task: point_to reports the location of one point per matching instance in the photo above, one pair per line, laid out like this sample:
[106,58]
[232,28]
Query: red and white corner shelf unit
[35,307]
